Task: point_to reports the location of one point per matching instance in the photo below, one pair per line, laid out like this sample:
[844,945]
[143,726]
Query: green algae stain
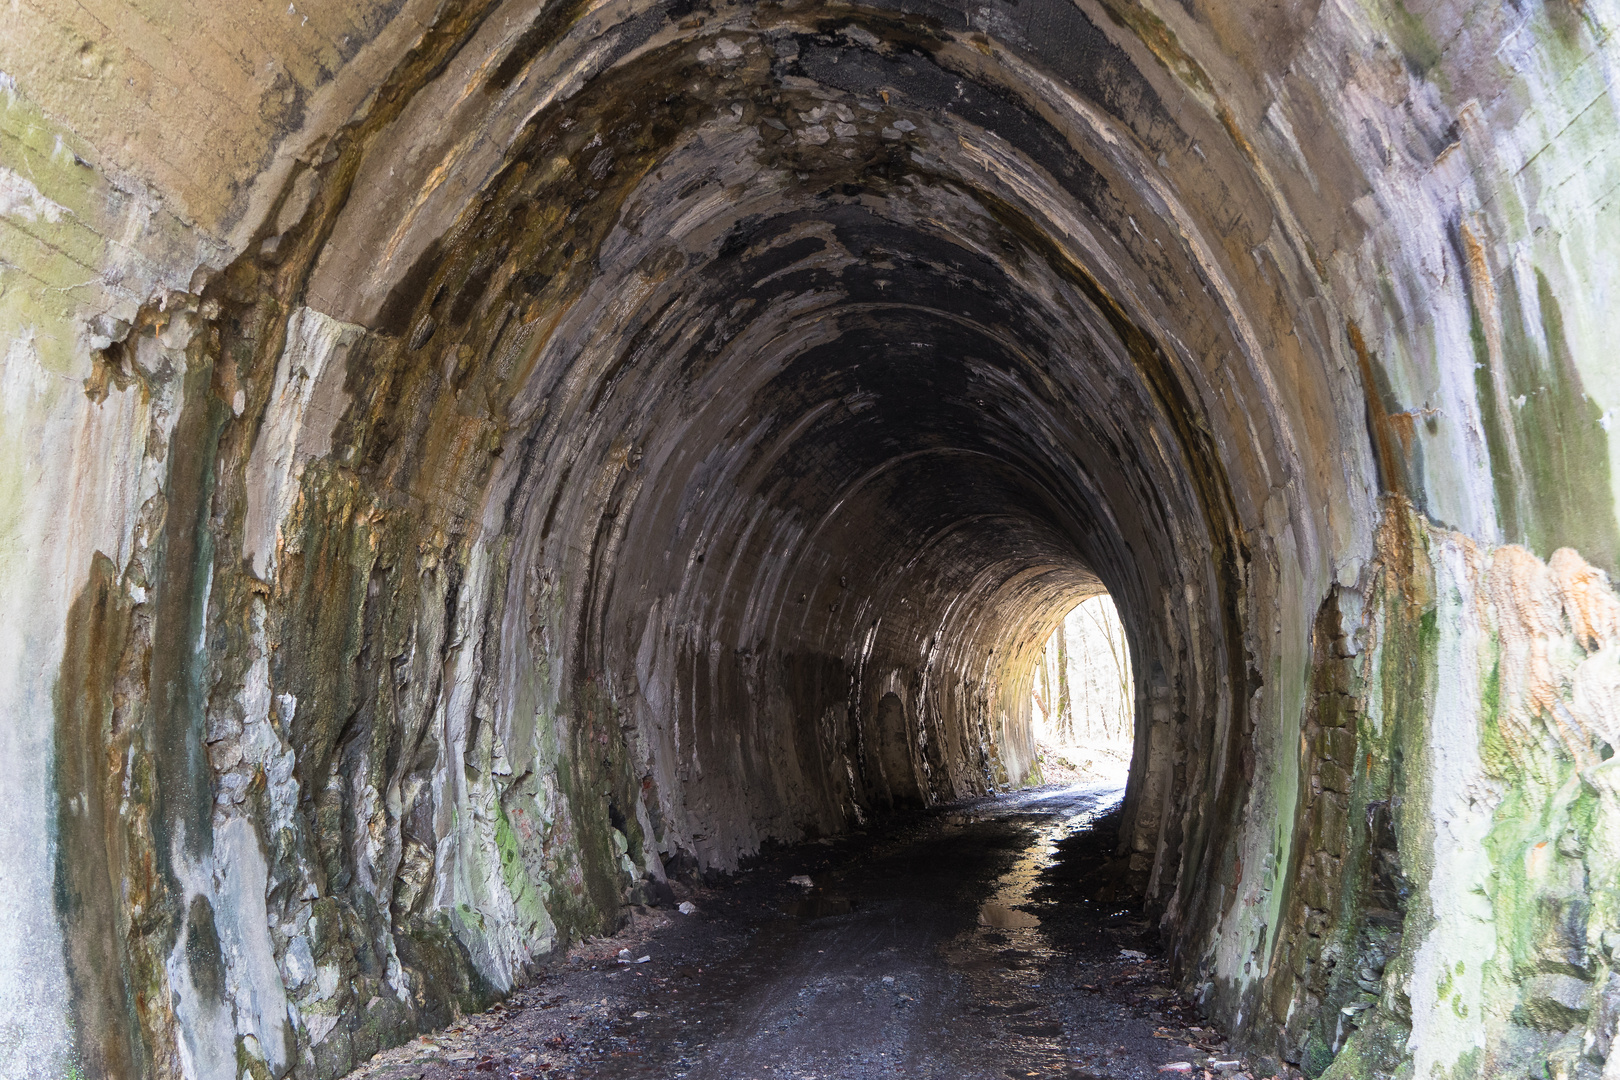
[1566,448]
[1316,1056]
[1493,747]
[528,899]
[205,959]
[132,779]
[1544,889]
[1417,45]
[595,781]
[57,246]
[87,853]
[1497,437]
[248,1065]
[1383,913]
[1156,34]
[1540,901]
[1565,497]
[1367,1052]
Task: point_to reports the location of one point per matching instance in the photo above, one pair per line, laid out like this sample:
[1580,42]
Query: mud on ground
[983,940]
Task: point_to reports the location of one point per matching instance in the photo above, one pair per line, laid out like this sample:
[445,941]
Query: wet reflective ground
[980,941]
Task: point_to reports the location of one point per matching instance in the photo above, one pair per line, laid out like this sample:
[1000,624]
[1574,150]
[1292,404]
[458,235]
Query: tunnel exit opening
[1082,701]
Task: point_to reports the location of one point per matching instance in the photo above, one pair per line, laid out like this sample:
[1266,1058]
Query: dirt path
[974,942]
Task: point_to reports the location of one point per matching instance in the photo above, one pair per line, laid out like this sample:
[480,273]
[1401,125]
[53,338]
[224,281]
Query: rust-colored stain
[1389,444]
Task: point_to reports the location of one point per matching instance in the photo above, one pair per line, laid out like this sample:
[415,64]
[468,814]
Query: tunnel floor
[978,940]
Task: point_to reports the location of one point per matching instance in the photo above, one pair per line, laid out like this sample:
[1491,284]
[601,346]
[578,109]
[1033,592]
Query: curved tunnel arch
[776,365]
[706,306]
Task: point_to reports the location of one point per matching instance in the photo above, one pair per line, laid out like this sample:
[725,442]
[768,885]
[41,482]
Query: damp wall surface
[467,462]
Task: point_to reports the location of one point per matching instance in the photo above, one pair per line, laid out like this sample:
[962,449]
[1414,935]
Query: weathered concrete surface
[467,459]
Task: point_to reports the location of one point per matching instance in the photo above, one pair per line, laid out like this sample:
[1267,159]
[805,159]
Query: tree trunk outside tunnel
[1084,702]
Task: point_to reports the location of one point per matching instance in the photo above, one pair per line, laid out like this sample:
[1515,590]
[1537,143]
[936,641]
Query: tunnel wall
[446,496]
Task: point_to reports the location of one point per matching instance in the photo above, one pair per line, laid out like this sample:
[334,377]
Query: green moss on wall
[595,779]
[1357,845]
[1535,413]
[1412,37]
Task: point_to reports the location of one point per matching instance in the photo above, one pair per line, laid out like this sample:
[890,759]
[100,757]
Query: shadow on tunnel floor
[987,939]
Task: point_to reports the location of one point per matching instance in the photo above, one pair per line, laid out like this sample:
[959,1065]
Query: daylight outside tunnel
[473,463]
[1083,699]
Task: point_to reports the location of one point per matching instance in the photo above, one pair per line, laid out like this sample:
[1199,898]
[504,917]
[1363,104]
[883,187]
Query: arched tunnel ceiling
[757,362]
[516,446]
[816,332]
[824,240]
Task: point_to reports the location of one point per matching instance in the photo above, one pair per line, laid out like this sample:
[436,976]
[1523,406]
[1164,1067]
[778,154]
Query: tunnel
[475,462]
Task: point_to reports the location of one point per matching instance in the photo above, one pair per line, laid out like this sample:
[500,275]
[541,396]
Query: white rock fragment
[860,36]
[687,908]
[306,402]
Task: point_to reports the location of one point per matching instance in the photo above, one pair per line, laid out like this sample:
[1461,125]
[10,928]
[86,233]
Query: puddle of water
[1014,888]
[1004,917]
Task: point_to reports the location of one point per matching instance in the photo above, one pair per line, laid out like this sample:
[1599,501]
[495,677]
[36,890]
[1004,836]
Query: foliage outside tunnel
[1084,702]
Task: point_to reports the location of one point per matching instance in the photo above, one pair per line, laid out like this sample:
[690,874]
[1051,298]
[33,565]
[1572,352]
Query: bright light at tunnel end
[1082,702]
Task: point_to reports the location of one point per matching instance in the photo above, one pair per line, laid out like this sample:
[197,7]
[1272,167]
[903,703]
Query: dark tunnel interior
[776,394]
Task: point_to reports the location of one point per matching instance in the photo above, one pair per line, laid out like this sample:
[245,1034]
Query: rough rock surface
[469,459]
